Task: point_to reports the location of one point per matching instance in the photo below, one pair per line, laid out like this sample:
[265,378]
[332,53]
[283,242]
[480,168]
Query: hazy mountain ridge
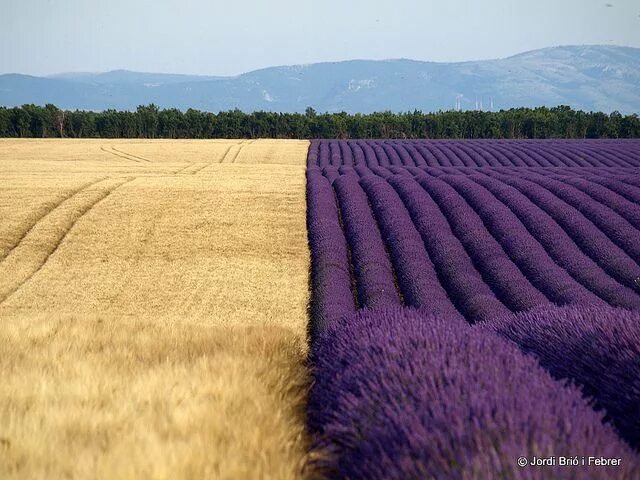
[604,78]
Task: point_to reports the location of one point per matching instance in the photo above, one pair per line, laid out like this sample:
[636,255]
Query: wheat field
[153,309]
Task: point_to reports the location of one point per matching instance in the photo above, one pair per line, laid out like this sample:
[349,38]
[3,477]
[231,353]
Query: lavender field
[474,302]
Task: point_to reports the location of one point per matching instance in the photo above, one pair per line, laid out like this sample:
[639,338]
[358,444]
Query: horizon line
[324,62]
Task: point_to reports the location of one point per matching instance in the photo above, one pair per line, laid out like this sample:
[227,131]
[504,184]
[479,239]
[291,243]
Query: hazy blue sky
[233,36]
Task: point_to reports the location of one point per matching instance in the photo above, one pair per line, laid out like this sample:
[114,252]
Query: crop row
[410,247]
[475,153]
[475,245]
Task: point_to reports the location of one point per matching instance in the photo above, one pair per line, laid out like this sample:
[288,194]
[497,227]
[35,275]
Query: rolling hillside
[603,78]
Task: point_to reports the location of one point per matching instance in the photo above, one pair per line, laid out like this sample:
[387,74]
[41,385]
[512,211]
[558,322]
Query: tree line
[148,121]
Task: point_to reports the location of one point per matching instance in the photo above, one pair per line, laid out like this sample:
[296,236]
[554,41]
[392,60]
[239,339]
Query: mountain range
[592,78]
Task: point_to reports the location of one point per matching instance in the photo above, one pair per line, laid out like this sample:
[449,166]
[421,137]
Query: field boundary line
[57,244]
[47,213]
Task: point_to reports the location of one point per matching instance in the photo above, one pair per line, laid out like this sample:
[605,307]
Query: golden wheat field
[153,309]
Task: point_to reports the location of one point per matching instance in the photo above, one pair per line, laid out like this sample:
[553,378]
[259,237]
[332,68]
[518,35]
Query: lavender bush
[597,347]
[399,394]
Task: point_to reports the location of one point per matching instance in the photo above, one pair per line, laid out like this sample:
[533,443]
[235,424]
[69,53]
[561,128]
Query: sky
[212,37]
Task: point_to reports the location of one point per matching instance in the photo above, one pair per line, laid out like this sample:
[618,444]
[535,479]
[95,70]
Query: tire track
[180,171]
[233,160]
[131,155]
[46,214]
[23,267]
[226,153]
[198,170]
[120,156]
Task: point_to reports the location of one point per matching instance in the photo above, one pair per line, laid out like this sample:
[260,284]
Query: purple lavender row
[332,297]
[470,154]
[631,180]
[347,154]
[489,158]
[520,246]
[462,281]
[596,347]
[545,153]
[585,234]
[401,394]
[331,173]
[617,179]
[585,157]
[511,156]
[369,153]
[426,154]
[614,224]
[596,152]
[578,171]
[373,271]
[335,153]
[391,154]
[505,279]
[416,274]
[630,211]
[442,159]
[324,158]
[480,153]
[616,228]
[312,155]
[609,201]
[629,192]
[402,154]
[358,155]
[465,155]
[502,158]
[558,245]
[613,153]
[617,172]
[380,156]
[564,253]
[526,157]
[555,156]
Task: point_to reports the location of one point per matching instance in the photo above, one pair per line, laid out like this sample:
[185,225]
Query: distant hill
[603,78]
